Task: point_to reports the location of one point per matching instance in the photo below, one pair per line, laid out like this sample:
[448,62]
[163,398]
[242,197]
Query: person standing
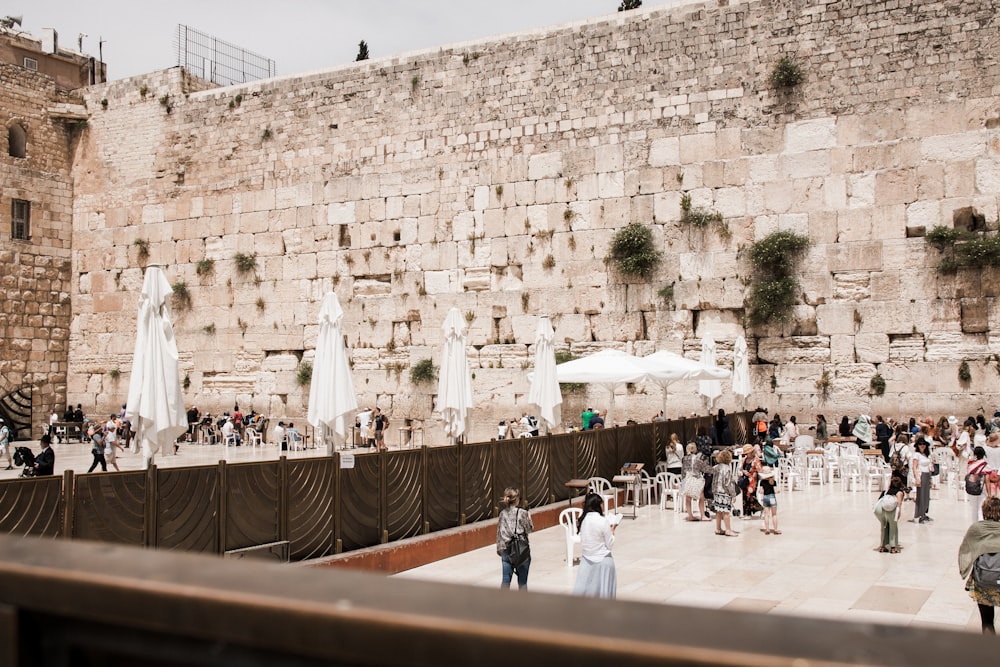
[977,472]
[596,421]
[112,444]
[723,432]
[380,422]
[97,450]
[723,491]
[768,491]
[5,444]
[921,467]
[513,520]
[694,468]
[585,418]
[822,429]
[882,435]
[791,431]
[888,509]
[982,538]
[45,462]
[193,417]
[597,577]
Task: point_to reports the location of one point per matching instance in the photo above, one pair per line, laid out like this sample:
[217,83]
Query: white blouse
[596,537]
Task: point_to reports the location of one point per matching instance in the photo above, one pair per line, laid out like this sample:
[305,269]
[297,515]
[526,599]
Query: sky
[299,35]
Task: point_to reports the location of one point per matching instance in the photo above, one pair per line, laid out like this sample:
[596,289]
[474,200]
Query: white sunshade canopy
[608,368]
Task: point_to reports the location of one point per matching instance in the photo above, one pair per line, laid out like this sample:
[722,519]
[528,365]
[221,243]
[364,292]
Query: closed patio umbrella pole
[544,392]
[155,406]
[455,379]
[331,395]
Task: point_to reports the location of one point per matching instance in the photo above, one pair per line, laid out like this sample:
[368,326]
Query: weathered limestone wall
[35,308]
[492,177]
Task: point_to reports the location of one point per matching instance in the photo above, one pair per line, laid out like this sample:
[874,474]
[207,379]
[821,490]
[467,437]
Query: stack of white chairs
[788,473]
[669,485]
[568,519]
[850,472]
[832,461]
[873,473]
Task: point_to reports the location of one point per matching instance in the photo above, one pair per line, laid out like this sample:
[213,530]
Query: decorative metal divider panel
[186,513]
[31,506]
[561,450]
[359,503]
[441,494]
[536,472]
[309,520]
[636,445]
[508,469]
[404,493]
[110,507]
[477,481]
[250,510]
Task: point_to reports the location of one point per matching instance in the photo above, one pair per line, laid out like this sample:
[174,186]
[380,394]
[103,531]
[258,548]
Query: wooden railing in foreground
[83,603]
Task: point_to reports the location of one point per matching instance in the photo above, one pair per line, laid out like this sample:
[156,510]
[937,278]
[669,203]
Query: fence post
[68,501]
[283,498]
[223,506]
[338,540]
[152,493]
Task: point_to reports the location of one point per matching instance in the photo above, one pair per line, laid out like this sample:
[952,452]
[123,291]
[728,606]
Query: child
[766,478]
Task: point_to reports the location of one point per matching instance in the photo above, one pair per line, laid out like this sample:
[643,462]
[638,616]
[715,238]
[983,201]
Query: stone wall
[35,308]
[492,177]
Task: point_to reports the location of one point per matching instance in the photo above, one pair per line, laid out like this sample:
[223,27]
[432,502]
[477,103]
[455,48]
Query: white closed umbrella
[665,367]
[741,368]
[331,395]
[155,406]
[710,389]
[544,392]
[455,379]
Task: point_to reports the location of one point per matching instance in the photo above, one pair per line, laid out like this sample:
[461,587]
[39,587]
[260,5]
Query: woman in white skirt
[596,578]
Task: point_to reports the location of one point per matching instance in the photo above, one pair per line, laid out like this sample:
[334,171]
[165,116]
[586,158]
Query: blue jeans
[508,572]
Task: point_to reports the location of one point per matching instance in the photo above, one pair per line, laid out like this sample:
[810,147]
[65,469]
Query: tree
[363,49]
[629,4]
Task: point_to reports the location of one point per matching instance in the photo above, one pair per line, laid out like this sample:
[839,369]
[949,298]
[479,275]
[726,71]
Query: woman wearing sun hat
[768,489]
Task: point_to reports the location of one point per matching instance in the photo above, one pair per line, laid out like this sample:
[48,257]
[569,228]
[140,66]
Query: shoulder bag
[518,549]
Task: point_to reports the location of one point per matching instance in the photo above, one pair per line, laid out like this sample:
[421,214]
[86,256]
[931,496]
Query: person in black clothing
[68,415]
[882,434]
[45,462]
[845,427]
[723,433]
[78,415]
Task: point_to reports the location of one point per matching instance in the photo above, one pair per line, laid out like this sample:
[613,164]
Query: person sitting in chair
[45,462]
[229,431]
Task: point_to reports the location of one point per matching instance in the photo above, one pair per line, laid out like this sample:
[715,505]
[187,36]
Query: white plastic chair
[815,468]
[850,472]
[788,472]
[230,440]
[873,472]
[253,438]
[804,443]
[605,490]
[661,466]
[568,519]
[669,485]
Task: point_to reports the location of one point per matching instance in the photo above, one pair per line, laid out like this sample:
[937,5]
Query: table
[66,430]
[576,485]
[634,481]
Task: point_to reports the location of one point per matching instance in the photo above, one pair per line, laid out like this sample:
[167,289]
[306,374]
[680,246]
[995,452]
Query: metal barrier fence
[316,507]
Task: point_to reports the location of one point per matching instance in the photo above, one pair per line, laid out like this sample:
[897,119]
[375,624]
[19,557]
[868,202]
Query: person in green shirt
[586,417]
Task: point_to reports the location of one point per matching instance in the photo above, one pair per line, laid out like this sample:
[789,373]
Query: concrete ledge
[417,551]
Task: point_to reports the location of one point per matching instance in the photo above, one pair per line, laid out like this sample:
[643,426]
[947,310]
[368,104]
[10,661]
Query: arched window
[17,141]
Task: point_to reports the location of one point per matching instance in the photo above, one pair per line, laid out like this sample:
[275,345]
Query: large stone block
[664,152]
[795,349]
[872,348]
[811,135]
[545,165]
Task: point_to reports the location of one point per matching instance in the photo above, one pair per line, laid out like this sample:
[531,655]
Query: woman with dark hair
[513,520]
[887,510]
[845,427]
[975,482]
[723,432]
[704,442]
[921,466]
[597,577]
[882,435]
[822,431]
[982,539]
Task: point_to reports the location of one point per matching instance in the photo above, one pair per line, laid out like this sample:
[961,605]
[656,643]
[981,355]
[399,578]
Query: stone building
[493,177]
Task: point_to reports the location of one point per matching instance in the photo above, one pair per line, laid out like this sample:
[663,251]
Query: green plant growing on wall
[362,51]
[204,267]
[964,373]
[633,251]
[245,263]
[165,103]
[786,73]
[304,374]
[423,372]
[549,263]
[104,104]
[243,325]
[469,316]
[187,382]
[525,300]
[877,384]
[774,288]
[143,91]
[142,247]
[562,356]
[824,384]
[181,297]
[114,374]
[209,328]
[962,249]
[699,217]
[261,305]
[666,293]
[629,4]
[415,81]
[266,134]
[499,190]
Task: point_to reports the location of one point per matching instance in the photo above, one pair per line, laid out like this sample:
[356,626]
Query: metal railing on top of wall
[316,508]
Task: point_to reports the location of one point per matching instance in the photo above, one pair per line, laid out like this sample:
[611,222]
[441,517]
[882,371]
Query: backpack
[973,484]
[986,572]
[896,461]
[770,454]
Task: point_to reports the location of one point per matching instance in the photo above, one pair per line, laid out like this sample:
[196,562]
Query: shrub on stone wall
[304,374]
[877,384]
[962,249]
[423,372]
[786,73]
[633,251]
[182,296]
[774,288]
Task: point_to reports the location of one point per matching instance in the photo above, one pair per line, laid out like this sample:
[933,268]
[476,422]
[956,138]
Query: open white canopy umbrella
[710,389]
[155,405]
[741,368]
[664,368]
[544,392]
[455,380]
[331,395]
[608,368]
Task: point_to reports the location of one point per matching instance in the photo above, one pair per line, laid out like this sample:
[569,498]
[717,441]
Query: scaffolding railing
[218,61]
